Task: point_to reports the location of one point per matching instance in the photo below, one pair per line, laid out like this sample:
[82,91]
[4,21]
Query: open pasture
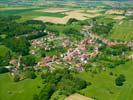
[122,30]
[103,84]
[22,90]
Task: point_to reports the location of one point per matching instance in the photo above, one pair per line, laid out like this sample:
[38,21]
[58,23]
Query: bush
[31,75]
[63,81]
[102,28]
[111,73]
[29,60]
[46,92]
[119,81]
[72,20]
[5,55]
[35,97]
[87,67]
[3,70]
[73,32]
[18,45]
[16,78]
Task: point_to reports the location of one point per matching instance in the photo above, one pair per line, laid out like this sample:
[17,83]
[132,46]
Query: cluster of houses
[79,55]
[86,31]
[43,42]
[15,66]
[49,42]
[75,56]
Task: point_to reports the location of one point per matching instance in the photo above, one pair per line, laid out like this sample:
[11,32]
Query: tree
[31,75]
[35,97]
[18,45]
[29,60]
[72,20]
[16,78]
[117,50]
[69,84]
[43,53]
[73,32]
[62,81]
[5,55]
[87,67]
[119,81]
[3,70]
[40,25]
[47,91]
[102,28]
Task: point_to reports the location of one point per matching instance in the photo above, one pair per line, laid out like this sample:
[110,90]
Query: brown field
[51,19]
[71,4]
[119,17]
[94,10]
[114,12]
[77,14]
[77,97]
[54,10]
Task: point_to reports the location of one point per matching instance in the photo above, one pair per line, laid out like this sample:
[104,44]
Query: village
[76,55]
[73,55]
[66,49]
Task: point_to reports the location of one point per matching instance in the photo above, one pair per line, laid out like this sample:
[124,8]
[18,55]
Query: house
[45,61]
[14,62]
[79,67]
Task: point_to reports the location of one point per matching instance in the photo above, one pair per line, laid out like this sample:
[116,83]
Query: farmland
[123,31]
[77,14]
[28,13]
[54,15]
[59,15]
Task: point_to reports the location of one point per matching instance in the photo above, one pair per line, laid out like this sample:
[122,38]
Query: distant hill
[35,2]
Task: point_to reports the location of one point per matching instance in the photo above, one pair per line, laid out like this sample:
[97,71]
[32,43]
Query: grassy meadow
[22,90]
[122,31]
[103,84]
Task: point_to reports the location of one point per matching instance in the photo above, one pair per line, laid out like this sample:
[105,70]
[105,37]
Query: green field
[103,85]
[29,13]
[22,90]
[17,11]
[123,31]
[3,50]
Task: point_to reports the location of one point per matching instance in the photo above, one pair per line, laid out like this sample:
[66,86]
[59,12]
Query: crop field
[23,90]
[77,14]
[29,13]
[54,10]
[59,15]
[103,87]
[77,97]
[123,31]
[16,11]
[119,12]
